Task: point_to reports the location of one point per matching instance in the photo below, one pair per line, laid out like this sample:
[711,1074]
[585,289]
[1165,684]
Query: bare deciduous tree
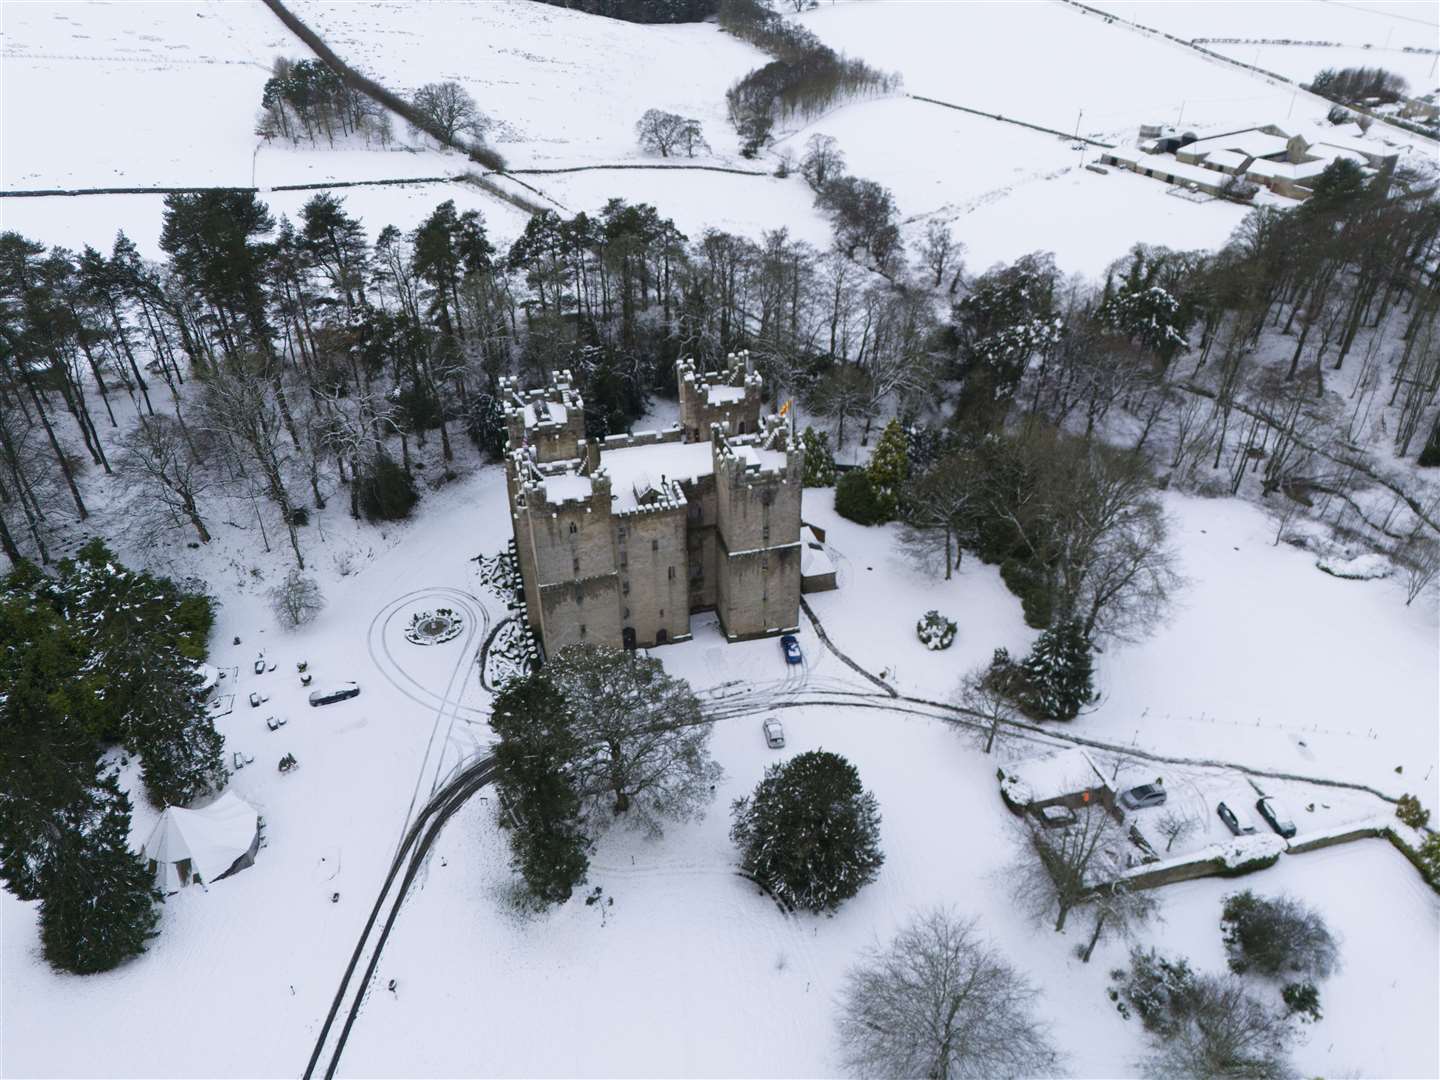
[990,708]
[940,1002]
[1056,869]
[940,254]
[296,600]
[159,462]
[452,110]
[664,133]
[646,739]
[1223,1030]
[823,161]
[1174,825]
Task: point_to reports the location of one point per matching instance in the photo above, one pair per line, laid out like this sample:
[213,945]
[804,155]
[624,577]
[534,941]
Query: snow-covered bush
[1409,810]
[935,631]
[1276,935]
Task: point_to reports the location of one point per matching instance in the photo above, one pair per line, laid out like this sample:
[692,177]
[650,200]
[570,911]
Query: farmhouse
[1287,163]
[620,540]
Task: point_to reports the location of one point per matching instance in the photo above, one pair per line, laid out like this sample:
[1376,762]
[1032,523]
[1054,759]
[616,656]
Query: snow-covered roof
[567,486]
[814,559]
[1052,777]
[652,466]
[209,676]
[212,838]
[724,395]
[1255,143]
[1227,159]
[545,412]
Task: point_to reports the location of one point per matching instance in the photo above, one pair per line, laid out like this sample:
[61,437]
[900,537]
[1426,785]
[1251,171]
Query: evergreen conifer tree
[889,468]
[810,833]
[536,755]
[819,462]
[1058,674]
[98,899]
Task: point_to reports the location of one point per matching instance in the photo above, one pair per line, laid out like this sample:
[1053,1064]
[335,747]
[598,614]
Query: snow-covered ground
[1263,658]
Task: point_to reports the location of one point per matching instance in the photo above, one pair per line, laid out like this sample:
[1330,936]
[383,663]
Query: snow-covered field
[1371,34]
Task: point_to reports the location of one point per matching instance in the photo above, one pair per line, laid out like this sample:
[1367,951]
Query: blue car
[792,649]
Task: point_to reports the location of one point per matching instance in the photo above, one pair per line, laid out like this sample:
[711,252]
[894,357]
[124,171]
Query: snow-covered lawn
[1263,659]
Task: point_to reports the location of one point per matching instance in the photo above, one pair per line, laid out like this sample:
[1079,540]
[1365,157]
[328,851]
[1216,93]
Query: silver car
[774,733]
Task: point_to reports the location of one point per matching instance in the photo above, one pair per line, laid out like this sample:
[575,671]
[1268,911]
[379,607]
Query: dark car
[334,694]
[1276,817]
[792,649]
[1237,821]
[1143,795]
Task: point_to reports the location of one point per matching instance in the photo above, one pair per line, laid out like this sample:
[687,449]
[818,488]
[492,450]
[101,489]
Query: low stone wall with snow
[1243,855]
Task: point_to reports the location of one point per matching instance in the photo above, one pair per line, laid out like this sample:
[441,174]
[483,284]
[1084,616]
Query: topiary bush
[856,500]
[935,631]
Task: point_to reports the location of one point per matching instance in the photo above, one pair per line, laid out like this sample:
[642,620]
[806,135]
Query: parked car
[260,666]
[1143,795]
[1236,820]
[254,699]
[774,733]
[792,649]
[1276,817]
[1057,816]
[334,694]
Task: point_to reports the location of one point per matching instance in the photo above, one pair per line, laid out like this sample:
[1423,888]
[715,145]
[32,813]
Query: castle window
[624,559]
[627,613]
[573,528]
[625,588]
[765,533]
[582,629]
[765,564]
[654,545]
[671,575]
[620,532]
[575,563]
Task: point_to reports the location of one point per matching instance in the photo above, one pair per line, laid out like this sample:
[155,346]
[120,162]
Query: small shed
[205,845]
[817,565]
[1067,778]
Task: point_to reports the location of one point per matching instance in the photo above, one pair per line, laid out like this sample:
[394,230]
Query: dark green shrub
[1302,998]
[1276,935]
[1032,587]
[386,492]
[1409,810]
[855,498]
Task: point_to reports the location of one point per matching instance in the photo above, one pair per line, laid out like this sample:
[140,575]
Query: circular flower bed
[935,631]
[434,627]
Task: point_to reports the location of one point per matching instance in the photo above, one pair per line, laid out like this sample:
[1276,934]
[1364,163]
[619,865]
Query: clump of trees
[306,99]
[666,133]
[805,78]
[644,11]
[810,833]
[1360,85]
[99,655]
[1201,1025]
[819,461]
[940,1001]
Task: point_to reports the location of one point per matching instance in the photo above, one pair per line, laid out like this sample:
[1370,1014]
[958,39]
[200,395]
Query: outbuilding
[202,846]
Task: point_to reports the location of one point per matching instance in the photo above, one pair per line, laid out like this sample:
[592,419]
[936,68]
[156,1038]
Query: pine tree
[889,468]
[98,899]
[536,756]
[819,462]
[810,833]
[47,746]
[126,624]
[1058,673]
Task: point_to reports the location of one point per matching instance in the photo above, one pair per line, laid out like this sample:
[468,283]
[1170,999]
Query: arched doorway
[627,638]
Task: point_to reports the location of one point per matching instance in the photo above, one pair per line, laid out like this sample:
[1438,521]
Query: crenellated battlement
[732,396]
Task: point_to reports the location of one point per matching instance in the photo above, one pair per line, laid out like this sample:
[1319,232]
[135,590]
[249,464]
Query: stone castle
[621,540]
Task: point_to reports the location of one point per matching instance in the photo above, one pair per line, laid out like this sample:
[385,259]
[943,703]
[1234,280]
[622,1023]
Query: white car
[774,733]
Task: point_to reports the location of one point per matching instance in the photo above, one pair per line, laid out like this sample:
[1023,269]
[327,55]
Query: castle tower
[731,397]
[758,485]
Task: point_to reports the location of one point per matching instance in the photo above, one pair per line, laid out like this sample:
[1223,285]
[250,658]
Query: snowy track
[414,848]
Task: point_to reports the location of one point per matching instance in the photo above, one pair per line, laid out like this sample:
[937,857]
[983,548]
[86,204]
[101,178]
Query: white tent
[203,845]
